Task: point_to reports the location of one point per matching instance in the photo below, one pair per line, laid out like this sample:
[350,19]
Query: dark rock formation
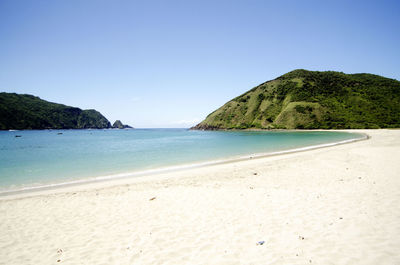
[119,125]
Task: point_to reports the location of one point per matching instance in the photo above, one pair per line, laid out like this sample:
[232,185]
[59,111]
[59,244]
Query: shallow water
[55,156]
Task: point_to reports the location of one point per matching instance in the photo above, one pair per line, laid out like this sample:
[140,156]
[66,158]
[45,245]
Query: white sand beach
[334,205]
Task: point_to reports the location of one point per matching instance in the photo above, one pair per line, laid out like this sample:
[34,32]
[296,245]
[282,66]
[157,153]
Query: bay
[37,158]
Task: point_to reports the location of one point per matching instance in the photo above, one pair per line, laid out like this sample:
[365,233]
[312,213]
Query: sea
[44,158]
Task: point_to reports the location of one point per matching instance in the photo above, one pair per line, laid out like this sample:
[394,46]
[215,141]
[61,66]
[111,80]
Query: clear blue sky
[170,63]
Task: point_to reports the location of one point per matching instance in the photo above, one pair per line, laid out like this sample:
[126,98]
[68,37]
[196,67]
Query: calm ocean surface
[47,157]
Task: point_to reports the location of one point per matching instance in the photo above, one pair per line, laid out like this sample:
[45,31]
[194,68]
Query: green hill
[29,112]
[304,99]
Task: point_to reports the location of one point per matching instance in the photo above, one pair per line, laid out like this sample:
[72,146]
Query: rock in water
[119,125]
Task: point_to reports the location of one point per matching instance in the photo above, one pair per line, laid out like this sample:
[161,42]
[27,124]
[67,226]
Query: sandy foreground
[335,205]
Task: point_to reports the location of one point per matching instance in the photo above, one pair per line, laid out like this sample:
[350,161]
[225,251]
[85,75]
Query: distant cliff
[304,99]
[20,111]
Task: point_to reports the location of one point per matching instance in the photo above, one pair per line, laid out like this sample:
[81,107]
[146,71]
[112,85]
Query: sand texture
[335,205]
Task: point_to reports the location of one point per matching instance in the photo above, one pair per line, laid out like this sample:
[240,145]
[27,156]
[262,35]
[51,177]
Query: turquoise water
[46,157]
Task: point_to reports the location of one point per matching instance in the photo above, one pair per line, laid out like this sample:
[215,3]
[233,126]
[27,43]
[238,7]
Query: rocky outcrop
[119,125]
[205,127]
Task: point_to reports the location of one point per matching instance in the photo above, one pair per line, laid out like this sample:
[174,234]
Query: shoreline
[111,179]
[336,205]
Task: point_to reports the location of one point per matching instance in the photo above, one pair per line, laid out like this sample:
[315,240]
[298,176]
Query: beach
[333,205]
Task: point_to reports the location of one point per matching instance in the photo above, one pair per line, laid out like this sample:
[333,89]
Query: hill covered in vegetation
[304,99]
[21,112]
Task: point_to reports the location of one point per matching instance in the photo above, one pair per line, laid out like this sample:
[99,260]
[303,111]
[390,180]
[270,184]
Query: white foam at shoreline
[171,168]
